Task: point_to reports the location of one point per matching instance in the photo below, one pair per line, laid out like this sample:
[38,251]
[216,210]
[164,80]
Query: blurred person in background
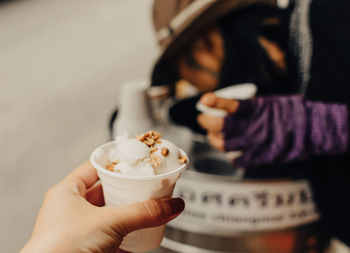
[298,57]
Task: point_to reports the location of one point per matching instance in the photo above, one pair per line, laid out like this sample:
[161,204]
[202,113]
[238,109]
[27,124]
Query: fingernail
[176,205]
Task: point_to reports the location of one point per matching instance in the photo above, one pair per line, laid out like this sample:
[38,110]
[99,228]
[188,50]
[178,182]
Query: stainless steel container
[226,213]
[157,96]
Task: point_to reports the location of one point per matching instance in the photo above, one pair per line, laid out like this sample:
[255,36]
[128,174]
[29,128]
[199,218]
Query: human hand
[274,129]
[73,217]
[215,125]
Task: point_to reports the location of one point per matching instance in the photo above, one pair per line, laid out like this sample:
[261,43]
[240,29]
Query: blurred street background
[61,66]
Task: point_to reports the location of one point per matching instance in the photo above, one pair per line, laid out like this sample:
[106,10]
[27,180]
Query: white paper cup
[238,91]
[122,190]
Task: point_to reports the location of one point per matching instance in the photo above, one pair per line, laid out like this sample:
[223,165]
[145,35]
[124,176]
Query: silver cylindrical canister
[157,95]
[227,213]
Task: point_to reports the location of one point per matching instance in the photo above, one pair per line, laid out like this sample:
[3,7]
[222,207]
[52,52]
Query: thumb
[211,100]
[150,213]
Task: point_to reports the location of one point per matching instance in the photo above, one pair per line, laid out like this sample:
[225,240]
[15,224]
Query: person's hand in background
[215,125]
[276,129]
[73,217]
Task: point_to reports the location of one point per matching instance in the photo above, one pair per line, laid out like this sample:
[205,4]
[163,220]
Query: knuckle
[57,190]
[156,210]
[232,106]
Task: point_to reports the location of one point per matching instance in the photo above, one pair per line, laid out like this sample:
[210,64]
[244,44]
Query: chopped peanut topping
[149,142]
[149,138]
[182,159]
[155,160]
[153,149]
[110,167]
[164,151]
[141,137]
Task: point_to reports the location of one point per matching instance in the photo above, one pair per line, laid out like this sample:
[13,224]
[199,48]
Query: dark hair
[245,58]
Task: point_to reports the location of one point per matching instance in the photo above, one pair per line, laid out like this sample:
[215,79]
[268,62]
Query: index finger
[229,105]
[210,123]
[85,173]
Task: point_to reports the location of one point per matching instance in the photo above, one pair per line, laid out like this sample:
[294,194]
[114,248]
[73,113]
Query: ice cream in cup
[135,169]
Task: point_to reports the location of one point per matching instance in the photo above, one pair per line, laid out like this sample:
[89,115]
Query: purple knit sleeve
[280,129]
[328,127]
